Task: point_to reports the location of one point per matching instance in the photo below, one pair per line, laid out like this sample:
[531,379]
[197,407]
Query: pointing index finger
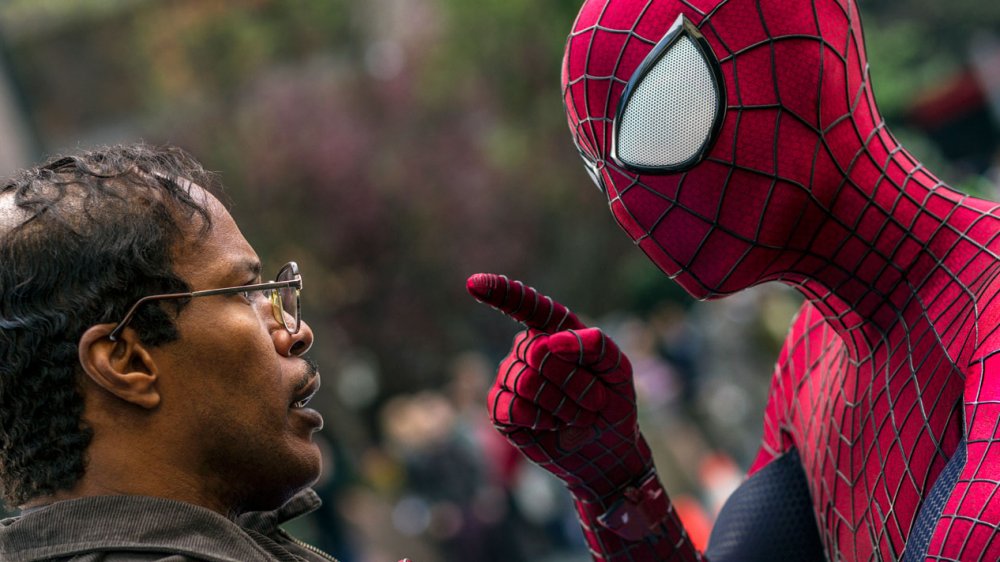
[522,303]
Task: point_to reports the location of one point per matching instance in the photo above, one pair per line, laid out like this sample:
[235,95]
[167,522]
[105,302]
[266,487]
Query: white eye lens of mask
[672,108]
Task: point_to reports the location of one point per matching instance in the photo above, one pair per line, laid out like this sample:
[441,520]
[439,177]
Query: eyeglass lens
[288,299]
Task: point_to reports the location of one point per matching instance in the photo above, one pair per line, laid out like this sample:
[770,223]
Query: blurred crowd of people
[430,479]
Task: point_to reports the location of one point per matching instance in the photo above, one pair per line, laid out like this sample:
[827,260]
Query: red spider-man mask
[723,131]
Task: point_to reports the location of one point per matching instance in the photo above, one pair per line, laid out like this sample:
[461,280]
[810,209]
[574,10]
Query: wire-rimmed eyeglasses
[283,293]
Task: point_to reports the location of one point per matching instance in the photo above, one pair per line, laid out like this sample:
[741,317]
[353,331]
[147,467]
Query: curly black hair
[82,237]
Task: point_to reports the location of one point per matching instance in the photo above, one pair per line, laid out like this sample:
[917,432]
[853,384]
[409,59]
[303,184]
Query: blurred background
[394,147]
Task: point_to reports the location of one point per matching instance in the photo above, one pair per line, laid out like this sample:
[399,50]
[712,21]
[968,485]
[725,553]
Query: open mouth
[306,393]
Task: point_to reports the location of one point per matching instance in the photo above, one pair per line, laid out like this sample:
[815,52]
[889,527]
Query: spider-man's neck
[899,251]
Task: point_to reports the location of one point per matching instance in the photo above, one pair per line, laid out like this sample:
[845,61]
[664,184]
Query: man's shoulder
[125,528]
[126,557]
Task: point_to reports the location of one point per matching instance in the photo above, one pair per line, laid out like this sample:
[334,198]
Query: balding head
[11,215]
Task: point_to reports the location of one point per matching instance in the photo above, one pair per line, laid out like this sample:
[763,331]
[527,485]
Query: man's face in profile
[232,378]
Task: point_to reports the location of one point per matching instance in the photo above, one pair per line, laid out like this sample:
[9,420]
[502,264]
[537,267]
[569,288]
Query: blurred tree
[394,146]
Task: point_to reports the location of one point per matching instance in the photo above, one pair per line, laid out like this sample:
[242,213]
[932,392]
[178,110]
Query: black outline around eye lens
[686,28]
[591,166]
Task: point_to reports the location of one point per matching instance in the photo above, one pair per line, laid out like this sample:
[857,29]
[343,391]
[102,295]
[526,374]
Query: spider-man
[738,142]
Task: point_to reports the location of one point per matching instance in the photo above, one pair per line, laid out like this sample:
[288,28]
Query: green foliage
[903,63]
[395,146]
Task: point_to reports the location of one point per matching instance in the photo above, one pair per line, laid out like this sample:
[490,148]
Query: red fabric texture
[564,396]
[889,363]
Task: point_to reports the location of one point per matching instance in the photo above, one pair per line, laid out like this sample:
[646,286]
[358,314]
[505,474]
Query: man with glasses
[153,387]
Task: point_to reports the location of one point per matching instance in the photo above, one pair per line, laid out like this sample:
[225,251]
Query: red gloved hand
[564,396]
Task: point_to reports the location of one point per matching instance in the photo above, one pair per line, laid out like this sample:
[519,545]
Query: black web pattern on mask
[900,310]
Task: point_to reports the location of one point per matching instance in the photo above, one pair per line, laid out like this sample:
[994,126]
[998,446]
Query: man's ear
[124,367]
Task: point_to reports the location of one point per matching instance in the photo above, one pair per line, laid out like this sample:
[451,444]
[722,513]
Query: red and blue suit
[738,142]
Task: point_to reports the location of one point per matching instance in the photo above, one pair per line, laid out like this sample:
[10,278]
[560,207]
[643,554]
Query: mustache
[312,365]
[312,371]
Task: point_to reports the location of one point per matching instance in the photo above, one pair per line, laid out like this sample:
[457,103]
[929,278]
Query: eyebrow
[246,266]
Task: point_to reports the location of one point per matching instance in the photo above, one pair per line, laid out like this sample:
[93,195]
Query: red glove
[564,396]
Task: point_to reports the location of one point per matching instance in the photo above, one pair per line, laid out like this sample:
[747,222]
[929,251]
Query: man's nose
[293,345]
